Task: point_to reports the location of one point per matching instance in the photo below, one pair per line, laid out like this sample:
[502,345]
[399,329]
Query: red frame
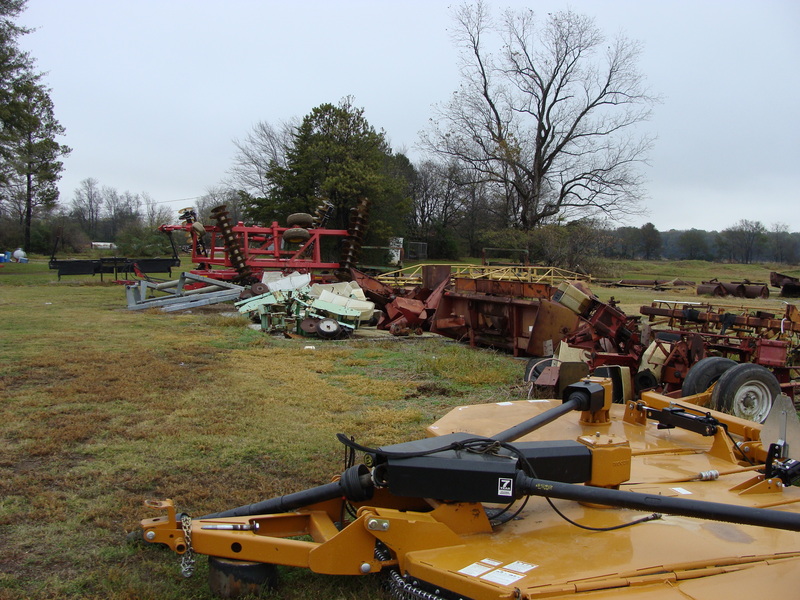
[260,250]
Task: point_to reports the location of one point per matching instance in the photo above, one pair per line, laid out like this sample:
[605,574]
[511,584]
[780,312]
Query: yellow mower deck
[450,550]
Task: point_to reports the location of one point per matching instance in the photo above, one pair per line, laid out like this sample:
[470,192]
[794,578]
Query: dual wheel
[745,390]
[298,224]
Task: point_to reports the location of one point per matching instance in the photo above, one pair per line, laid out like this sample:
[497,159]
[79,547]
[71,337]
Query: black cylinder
[354,485]
[713,511]
[532,424]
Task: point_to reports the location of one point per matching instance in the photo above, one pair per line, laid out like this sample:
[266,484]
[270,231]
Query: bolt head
[366,568]
[150,535]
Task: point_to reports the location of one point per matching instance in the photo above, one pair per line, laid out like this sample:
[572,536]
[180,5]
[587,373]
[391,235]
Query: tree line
[537,152]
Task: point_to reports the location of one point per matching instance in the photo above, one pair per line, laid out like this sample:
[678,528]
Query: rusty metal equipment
[671,352]
[522,500]
[241,253]
[745,335]
[790,286]
[738,289]
[515,316]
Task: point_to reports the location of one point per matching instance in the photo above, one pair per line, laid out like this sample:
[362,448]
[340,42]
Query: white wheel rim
[752,401]
[328,326]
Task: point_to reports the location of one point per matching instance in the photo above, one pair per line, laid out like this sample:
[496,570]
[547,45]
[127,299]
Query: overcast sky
[152,92]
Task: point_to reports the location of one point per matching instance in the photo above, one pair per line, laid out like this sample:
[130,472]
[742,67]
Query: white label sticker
[491,561]
[502,577]
[520,567]
[505,486]
[682,491]
[475,569]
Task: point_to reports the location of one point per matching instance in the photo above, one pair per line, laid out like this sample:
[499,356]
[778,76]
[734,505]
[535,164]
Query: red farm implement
[239,252]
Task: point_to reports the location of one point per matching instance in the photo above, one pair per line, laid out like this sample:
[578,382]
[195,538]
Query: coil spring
[399,588]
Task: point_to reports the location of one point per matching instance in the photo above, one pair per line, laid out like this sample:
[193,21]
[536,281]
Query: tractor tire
[704,373]
[746,391]
[328,329]
[303,220]
[536,367]
[644,380]
[229,578]
[296,235]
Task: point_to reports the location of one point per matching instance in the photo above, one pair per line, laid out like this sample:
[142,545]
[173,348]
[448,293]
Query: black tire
[328,329]
[746,391]
[644,380]
[296,235]
[230,578]
[704,373]
[303,220]
[536,367]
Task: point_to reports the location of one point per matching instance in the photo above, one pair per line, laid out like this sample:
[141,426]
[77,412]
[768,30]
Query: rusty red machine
[751,355]
[239,252]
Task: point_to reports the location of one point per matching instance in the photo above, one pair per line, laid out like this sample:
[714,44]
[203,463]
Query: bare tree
[155,215]
[262,148]
[780,241]
[217,196]
[438,198]
[549,120]
[743,239]
[87,202]
[121,209]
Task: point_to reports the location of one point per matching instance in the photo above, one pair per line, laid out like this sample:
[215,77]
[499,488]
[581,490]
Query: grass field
[103,408]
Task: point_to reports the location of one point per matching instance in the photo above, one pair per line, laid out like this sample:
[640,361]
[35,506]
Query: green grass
[103,408]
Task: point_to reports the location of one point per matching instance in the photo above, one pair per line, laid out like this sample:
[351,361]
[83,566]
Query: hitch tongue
[164,530]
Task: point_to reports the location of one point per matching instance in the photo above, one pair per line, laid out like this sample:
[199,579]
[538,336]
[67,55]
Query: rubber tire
[536,367]
[296,235]
[328,329]
[303,220]
[704,373]
[644,380]
[746,382]
[230,578]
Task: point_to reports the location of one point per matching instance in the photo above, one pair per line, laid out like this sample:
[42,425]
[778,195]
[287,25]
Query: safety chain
[187,558]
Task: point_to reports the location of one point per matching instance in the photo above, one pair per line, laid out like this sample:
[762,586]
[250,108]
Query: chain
[187,558]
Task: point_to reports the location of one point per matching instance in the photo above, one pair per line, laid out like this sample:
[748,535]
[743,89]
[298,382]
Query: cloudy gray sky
[152,92]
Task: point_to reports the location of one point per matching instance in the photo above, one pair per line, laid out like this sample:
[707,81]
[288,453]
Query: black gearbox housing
[466,475]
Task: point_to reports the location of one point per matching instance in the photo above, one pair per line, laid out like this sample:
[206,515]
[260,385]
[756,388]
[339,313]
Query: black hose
[355,484]
[713,511]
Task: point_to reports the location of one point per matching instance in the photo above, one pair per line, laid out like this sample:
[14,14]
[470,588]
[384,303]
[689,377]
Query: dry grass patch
[104,408]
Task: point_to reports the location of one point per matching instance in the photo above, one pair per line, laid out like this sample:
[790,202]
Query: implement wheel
[230,578]
[303,220]
[297,235]
[746,391]
[536,367]
[328,329]
[704,373]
